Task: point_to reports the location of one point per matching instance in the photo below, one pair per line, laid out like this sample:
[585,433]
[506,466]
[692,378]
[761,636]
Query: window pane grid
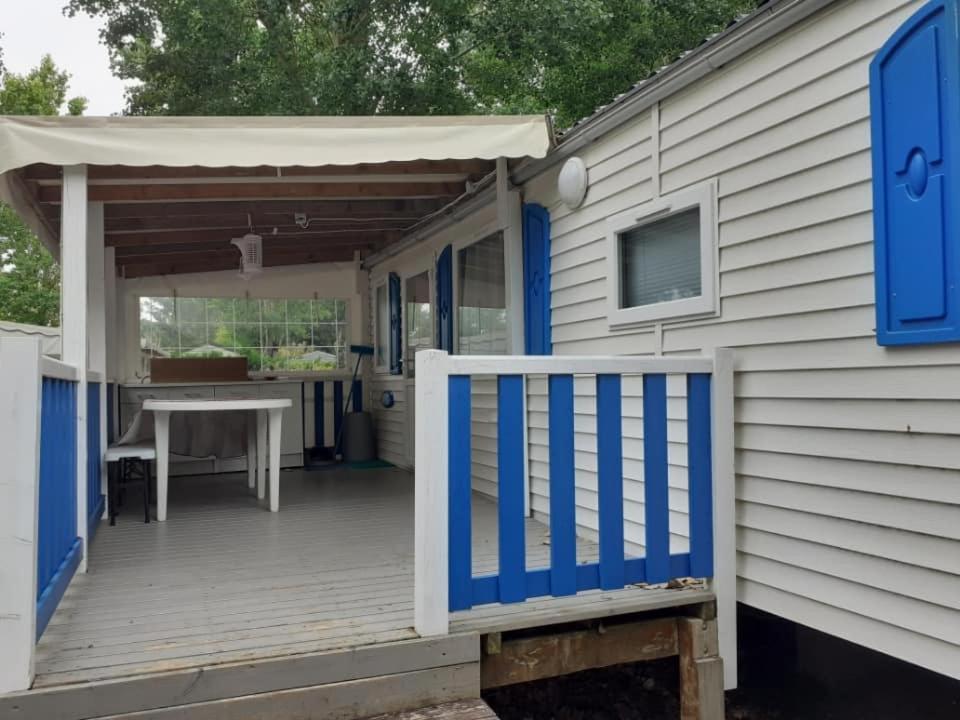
[273,334]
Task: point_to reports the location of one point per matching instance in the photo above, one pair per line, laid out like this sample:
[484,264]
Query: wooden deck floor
[225,581]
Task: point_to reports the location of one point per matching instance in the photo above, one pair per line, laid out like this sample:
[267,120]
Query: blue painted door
[536,279]
[445,300]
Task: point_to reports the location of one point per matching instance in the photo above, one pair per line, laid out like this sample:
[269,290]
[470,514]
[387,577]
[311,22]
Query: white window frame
[432,291]
[703,197]
[385,367]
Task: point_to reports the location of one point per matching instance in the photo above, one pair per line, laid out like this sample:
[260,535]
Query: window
[662,258]
[419,318]
[382,329]
[293,335]
[481,298]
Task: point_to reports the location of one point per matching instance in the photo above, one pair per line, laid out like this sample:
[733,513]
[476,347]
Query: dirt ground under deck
[786,673]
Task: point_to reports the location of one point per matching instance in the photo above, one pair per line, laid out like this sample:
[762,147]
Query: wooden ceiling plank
[125,240]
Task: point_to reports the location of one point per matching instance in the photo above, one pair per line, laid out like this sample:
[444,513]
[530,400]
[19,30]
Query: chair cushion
[143,451]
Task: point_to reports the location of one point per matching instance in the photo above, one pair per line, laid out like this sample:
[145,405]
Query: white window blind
[419,320]
[660,261]
[482,304]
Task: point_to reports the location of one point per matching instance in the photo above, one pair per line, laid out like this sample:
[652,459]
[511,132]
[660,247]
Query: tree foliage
[42,91]
[29,275]
[302,57]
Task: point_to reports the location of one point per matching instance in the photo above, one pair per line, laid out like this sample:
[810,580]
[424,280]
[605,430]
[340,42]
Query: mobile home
[695,350]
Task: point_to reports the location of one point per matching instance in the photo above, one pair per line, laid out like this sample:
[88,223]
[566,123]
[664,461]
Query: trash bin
[359,444]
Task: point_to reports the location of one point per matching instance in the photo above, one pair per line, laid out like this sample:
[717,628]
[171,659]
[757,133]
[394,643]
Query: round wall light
[572,183]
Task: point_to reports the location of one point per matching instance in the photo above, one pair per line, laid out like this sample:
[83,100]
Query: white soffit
[270,141]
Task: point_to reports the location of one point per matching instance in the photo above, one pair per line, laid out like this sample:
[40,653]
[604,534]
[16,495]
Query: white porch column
[73,318]
[20,397]
[97,322]
[510,220]
[110,318]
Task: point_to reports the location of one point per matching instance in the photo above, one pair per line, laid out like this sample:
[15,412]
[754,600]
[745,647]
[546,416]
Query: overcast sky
[32,28]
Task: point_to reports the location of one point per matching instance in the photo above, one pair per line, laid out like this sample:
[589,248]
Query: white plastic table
[271,408]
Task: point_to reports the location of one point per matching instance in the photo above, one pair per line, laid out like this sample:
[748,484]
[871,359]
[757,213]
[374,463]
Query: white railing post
[20,400]
[74,299]
[724,581]
[431,571]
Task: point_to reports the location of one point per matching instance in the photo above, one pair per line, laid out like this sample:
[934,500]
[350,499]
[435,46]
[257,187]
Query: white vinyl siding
[848,477]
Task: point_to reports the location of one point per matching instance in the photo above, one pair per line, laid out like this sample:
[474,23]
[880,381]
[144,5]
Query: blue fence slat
[610,480]
[337,412]
[318,438]
[700,474]
[111,394]
[460,533]
[95,497]
[58,548]
[656,510]
[510,500]
[563,531]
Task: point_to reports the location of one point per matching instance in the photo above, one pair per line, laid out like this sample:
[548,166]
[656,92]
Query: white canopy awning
[271,141]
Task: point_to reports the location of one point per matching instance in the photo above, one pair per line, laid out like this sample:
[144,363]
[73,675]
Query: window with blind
[481,298]
[662,258]
[419,319]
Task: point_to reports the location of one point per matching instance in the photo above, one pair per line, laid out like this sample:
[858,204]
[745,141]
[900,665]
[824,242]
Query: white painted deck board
[225,581]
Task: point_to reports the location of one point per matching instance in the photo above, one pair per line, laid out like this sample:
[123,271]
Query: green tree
[303,57]
[42,91]
[29,275]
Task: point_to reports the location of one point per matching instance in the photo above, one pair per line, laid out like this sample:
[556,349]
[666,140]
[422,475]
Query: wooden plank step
[409,674]
[475,709]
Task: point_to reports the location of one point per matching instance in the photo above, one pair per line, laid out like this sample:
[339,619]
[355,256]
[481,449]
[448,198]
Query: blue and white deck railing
[445,581]
[49,498]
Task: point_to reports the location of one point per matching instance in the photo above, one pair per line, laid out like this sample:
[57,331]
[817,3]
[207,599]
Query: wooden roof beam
[225,235]
[42,172]
[259,191]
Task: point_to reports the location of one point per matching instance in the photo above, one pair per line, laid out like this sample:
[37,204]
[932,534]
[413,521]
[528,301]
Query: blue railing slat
[459,460]
[610,480]
[337,413]
[563,529]
[655,492]
[318,438]
[95,498]
[58,547]
[701,475]
[510,490]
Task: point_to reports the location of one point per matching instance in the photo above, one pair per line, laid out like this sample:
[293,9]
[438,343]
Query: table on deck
[273,408]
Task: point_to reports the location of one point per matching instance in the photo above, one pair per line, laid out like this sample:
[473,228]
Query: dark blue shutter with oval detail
[915,118]
[396,331]
[444,280]
[536,279]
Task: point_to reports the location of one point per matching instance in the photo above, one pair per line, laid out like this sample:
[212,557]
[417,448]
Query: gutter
[756,28]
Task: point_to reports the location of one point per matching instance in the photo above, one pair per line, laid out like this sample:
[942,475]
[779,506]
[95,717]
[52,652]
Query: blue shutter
[396,332]
[445,300]
[536,279]
[915,118]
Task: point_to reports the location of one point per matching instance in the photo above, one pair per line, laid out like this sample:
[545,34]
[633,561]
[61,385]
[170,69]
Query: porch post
[431,605]
[20,398]
[110,337]
[509,219]
[73,319]
[724,581]
[97,325]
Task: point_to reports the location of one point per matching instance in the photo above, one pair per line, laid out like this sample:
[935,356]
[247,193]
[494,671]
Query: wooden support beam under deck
[185,239]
